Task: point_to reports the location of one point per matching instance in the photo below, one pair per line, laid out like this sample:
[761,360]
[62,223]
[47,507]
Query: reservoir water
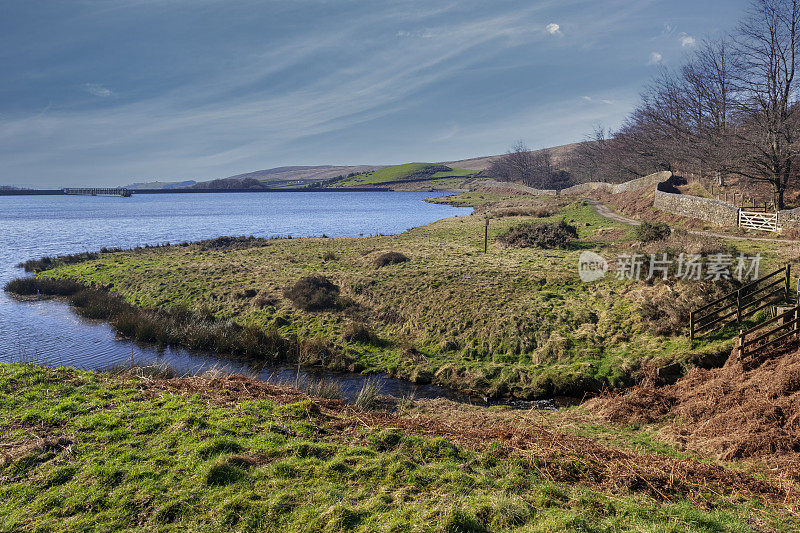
[49,333]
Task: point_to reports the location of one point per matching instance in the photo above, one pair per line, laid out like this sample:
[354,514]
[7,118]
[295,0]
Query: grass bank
[94,451]
[510,322]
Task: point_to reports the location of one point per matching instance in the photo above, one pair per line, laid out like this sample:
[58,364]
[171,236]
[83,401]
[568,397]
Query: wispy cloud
[385,82]
[686,40]
[655,58]
[597,100]
[98,90]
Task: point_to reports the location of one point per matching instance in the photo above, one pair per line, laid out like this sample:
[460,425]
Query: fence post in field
[740,346]
[486,236]
[691,327]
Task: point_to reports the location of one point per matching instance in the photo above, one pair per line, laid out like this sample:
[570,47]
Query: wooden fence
[767,334]
[740,304]
[759,220]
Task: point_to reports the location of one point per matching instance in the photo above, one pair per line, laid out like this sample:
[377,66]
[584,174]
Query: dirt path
[603,210]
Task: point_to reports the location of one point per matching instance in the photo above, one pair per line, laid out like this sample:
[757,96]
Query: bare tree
[534,169]
[767,48]
[588,162]
[520,162]
[713,69]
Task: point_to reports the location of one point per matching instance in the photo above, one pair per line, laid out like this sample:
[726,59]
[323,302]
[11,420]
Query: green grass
[406,171]
[90,451]
[456,172]
[511,322]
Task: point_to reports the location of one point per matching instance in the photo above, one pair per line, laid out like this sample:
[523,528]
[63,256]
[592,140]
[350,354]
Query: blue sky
[97,92]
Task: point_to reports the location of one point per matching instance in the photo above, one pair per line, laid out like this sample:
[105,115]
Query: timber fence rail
[741,303]
[767,334]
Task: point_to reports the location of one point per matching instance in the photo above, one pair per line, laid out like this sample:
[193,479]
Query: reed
[367,397]
[179,327]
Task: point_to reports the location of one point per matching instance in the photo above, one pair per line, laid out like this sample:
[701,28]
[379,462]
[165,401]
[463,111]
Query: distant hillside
[407,172]
[559,153]
[355,175]
[161,184]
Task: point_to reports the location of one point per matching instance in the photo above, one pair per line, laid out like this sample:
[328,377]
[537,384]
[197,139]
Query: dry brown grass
[746,409]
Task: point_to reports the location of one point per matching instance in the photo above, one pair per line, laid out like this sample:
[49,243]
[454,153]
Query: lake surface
[49,333]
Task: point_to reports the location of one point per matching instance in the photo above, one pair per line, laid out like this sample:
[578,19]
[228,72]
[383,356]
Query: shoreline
[60,192]
[420,326]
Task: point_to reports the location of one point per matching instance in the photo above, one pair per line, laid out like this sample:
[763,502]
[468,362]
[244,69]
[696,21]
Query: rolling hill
[408,172]
[451,174]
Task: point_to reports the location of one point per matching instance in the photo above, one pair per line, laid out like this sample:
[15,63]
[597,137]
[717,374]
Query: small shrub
[329,256]
[648,232]
[390,258]
[550,235]
[313,293]
[523,211]
[358,332]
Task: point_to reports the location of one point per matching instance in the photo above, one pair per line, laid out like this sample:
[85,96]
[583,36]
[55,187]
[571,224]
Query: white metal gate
[759,220]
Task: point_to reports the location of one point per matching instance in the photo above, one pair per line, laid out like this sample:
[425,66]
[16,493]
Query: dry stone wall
[707,209]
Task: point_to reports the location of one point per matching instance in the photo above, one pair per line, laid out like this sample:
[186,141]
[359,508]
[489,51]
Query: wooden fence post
[741,345]
[691,327]
[486,236]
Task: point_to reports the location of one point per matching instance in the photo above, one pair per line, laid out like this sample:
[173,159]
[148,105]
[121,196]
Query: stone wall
[651,180]
[789,217]
[646,182]
[708,209]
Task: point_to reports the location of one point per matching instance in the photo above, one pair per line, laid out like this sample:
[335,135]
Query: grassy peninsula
[511,322]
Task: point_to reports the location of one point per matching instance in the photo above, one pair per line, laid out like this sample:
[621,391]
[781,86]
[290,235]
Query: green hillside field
[407,171]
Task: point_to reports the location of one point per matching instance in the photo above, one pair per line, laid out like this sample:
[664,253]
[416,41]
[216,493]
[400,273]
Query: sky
[111,92]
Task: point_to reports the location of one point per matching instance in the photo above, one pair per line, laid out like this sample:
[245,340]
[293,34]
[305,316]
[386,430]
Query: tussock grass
[390,258]
[360,332]
[367,397]
[313,293]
